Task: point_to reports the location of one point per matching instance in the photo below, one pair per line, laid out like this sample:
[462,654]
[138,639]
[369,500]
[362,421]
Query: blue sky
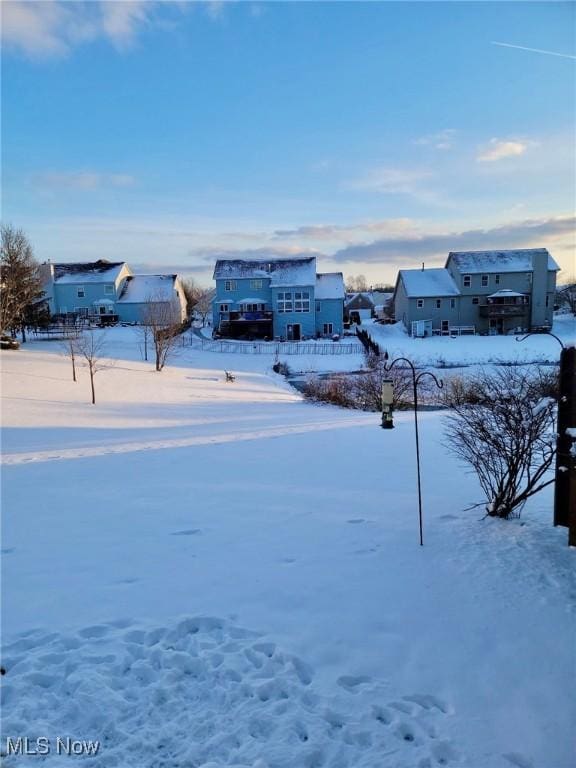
[376,135]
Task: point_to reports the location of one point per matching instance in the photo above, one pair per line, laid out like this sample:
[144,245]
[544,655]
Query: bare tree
[203,305]
[356,284]
[19,279]
[71,335]
[91,346]
[505,432]
[160,324]
[566,294]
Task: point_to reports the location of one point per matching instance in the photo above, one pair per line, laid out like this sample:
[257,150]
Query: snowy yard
[201,573]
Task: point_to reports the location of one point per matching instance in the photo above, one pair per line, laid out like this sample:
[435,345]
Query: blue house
[109,291]
[283,299]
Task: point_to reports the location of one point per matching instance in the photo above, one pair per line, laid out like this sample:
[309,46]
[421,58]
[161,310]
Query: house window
[420,303]
[230,285]
[301,301]
[438,303]
[251,307]
[80,292]
[452,303]
[256,285]
[223,307]
[328,329]
[109,289]
[497,279]
[318,306]
[284,301]
[475,300]
[467,281]
[485,280]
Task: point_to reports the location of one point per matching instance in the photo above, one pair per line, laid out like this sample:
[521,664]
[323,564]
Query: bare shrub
[335,390]
[367,386]
[506,434]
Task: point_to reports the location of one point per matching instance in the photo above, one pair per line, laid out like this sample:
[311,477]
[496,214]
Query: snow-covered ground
[199,573]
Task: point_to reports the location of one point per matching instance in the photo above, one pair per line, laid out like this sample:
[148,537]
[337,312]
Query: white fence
[276,347]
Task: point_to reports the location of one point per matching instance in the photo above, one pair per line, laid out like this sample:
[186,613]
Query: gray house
[487,292]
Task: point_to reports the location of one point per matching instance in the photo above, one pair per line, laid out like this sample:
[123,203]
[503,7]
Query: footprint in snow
[351,683]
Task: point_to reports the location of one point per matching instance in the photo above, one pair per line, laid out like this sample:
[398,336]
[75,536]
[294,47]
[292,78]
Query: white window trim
[419,303]
[256,285]
[485,281]
[467,281]
[230,285]
[438,303]
[80,292]
[109,290]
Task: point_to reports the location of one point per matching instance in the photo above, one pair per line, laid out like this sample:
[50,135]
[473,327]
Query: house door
[496,325]
[293,331]
[445,327]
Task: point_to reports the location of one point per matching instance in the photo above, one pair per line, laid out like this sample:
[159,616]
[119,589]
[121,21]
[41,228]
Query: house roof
[329,285]
[422,283]
[360,298]
[100,271]
[519,260]
[138,289]
[503,293]
[297,270]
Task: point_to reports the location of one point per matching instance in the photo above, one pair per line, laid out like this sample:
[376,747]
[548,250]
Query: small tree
[90,346]
[505,432]
[19,279]
[160,325]
[70,346]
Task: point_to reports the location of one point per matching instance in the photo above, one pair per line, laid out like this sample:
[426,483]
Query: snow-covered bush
[506,434]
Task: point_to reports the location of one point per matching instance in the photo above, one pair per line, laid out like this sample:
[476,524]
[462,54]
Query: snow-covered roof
[250,300]
[297,270]
[519,260]
[329,285]
[100,271]
[505,293]
[138,289]
[420,283]
[362,295]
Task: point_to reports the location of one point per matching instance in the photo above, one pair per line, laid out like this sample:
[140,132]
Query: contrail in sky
[536,50]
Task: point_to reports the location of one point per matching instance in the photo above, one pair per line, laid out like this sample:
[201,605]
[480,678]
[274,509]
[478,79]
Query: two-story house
[109,291]
[276,299]
[488,292]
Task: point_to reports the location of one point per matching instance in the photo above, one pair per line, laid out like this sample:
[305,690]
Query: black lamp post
[416,379]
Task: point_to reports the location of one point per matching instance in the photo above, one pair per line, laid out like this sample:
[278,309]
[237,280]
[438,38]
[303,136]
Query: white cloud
[442,140]
[344,232]
[391,180]
[557,231]
[498,149]
[82,180]
[48,28]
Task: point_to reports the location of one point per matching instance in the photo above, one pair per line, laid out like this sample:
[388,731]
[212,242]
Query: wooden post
[565,486]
